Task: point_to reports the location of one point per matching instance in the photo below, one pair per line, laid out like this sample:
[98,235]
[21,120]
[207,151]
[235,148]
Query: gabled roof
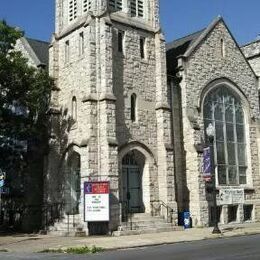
[41,50]
[182,44]
[178,48]
[185,46]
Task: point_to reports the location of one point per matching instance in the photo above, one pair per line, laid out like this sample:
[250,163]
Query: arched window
[224,110]
[74,109]
[133,107]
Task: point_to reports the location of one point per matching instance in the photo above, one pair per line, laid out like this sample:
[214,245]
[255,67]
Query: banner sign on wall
[231,196]
[207,164]
[96,201]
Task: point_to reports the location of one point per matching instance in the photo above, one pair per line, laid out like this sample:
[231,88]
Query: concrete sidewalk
[36,243]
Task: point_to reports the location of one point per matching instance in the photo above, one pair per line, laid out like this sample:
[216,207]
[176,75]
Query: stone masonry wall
[252,53]
[205,65]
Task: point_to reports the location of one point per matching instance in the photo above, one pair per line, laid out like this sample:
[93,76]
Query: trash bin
[186,220]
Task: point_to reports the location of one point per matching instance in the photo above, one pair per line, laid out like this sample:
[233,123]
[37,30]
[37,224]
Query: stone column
[108,154]
[164,131]
[196,192]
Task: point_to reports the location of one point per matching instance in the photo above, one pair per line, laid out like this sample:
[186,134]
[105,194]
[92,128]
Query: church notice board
[96,201]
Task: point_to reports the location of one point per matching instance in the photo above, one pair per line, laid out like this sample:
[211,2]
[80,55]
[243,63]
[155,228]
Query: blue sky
[178,17]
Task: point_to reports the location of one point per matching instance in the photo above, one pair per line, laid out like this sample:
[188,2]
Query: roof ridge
[37,40]
[186,36]
[249,43]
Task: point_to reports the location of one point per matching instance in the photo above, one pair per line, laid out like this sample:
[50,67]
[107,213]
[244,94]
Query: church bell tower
[108,60]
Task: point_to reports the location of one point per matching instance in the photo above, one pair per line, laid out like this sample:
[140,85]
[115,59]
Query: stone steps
[146,231]
[67,226]
[143,224]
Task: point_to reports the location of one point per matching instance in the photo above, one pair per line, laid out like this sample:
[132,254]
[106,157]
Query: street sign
[207,167]
[231,196]
[96,201]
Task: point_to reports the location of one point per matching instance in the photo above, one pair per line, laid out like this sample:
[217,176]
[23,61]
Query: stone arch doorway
[72,184]
[132,181]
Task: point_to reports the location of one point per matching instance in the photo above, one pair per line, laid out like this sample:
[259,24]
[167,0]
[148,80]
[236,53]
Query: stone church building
[132,110]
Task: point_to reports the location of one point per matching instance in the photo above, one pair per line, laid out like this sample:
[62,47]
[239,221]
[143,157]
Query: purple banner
[207,167]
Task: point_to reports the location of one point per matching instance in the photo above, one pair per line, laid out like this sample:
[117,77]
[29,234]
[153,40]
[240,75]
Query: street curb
[212,237]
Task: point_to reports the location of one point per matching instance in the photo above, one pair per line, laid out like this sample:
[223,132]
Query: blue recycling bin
[186,220]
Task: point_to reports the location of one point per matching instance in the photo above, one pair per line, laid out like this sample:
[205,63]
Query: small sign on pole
[96,201]
[207,165]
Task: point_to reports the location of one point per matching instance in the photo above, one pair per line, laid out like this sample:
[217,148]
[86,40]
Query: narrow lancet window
[133,107]
[223,50]
[74,109]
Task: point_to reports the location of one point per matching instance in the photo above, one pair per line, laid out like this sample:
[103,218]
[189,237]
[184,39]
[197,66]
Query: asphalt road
[246,247]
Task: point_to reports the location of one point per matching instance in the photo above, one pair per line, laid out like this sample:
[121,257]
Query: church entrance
[132,184]
[72,192]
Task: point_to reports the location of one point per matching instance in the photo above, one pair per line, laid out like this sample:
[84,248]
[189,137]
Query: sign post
[96,201]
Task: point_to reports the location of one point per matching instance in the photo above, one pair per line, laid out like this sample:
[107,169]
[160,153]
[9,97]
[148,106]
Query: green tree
[24,100]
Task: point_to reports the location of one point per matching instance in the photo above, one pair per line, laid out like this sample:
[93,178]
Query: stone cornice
[163,106]
[92,97]
[107,97]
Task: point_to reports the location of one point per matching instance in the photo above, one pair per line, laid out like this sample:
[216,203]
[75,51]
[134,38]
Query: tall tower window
[86,5]
[73,9]
[81,43]
[67,51]
[142,47]
[137,8]
[120,41]
[115,5]
[133,107]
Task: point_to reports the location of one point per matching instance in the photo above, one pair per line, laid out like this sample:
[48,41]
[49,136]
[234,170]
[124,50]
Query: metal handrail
[168,210]
[127,215]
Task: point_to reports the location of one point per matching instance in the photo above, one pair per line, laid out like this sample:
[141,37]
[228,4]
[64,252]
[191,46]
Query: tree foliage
[24,99]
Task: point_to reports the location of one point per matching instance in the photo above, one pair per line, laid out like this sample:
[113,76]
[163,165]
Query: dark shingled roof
[41,50]
[178,48]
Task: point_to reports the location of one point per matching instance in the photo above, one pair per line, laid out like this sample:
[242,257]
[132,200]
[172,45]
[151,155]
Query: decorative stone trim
[92,97]
[55,88]
[163,106]
[168,147]
[107,97]
[112,142]
[199,147]
[192,114]
[130,21]
[84,143]
[84,21]
[53,111]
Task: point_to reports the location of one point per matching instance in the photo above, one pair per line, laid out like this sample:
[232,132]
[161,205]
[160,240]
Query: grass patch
[3,250]
[75,250]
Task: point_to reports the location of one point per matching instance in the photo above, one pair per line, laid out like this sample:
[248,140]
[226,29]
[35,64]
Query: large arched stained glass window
[224,110]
